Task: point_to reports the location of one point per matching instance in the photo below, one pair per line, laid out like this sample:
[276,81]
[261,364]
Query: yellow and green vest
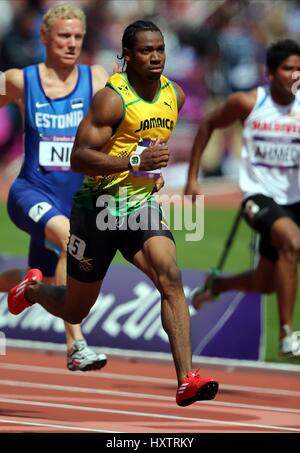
[141,124]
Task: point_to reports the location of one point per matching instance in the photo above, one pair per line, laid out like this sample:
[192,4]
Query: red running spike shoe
[196,388]
[16,296]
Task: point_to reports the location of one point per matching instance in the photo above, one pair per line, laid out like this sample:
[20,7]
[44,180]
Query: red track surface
[38,394]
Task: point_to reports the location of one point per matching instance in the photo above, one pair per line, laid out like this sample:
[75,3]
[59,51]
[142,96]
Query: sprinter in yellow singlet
[122,144]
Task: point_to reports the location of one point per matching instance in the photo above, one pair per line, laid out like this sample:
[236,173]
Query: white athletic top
[271,150]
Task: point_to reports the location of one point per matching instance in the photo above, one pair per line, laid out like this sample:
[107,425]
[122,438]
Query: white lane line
[263,390]
[94,374]
[146,414]
[51,425]
[148,379]
[165,357]
[35,385]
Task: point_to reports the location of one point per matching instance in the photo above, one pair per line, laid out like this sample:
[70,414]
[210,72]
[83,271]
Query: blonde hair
[62,11]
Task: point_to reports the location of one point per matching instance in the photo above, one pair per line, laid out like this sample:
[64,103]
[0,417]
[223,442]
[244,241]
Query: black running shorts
[260,213]
[96,237]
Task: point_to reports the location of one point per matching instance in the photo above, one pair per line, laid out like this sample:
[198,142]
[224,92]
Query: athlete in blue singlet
[45,185]
[53,98]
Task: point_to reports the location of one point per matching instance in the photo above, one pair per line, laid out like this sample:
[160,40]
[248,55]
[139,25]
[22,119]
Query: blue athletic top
[50,128]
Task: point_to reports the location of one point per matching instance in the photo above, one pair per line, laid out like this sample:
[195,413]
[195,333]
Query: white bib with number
[55,152]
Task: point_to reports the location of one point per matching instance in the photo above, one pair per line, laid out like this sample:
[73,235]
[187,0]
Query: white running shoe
[83,358]
[290,345]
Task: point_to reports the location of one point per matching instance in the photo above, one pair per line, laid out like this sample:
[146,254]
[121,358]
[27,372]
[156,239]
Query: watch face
[135,160]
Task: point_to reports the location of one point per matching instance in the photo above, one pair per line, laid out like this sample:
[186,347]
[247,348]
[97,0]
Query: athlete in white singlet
[269,181]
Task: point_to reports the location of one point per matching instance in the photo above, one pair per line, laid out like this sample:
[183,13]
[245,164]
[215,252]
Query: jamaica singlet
[140,126]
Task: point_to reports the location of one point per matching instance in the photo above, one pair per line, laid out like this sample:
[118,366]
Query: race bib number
[37,211]
[55,152]
[284,153]
[151,174]
[76,247]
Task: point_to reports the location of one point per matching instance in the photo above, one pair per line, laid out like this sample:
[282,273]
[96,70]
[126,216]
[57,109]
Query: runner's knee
[291,249]
[59,246]
[75,311]
[266,287]
[63,245]
[74,317]
[169,279]
[63,254]
[296,247]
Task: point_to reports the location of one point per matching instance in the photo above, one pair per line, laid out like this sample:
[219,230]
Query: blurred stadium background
[214,48]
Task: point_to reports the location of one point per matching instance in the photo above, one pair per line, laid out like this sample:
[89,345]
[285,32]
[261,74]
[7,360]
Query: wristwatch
[135,161]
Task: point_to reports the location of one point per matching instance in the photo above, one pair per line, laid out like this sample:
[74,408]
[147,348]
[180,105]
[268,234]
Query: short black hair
[129,35]
[279,51]
[130,32]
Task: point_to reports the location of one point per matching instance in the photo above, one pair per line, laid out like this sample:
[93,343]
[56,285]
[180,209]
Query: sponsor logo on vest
[41,104]
[152,123]
[168,104]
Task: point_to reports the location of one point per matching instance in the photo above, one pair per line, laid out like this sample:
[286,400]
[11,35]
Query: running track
[39,395]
